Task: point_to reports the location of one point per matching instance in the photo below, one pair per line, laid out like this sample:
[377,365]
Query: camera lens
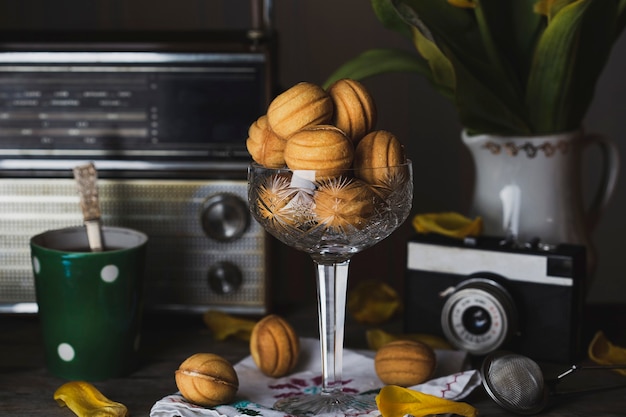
[479,316]
[476,320]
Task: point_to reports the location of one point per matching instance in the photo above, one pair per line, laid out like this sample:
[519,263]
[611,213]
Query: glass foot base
[333,404]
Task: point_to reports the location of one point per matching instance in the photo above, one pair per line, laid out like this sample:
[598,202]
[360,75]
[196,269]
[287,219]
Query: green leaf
[568,60]
[510,31]
[556,7]
[379,61]
[457,33]
[442,22]
[508,69]
[388,16]
[481,109]
[442,71]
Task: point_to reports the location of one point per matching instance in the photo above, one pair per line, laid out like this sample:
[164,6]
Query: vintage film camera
[484,294]
[164,117]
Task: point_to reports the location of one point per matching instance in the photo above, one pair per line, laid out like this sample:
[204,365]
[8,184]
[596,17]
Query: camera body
[483,294]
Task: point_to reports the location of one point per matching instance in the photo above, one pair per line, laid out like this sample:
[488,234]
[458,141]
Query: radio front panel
[132,105]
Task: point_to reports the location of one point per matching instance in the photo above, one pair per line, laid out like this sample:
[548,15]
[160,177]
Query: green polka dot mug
[90,303]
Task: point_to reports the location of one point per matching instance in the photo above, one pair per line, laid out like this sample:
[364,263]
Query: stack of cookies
[331,132]
[307,127]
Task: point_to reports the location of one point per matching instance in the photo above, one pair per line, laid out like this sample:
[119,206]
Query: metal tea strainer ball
[516,383]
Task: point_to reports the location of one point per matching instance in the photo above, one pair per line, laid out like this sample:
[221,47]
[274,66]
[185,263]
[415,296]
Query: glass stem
[332,282]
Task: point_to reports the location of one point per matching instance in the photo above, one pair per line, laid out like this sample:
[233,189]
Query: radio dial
[225,217]
[224,278]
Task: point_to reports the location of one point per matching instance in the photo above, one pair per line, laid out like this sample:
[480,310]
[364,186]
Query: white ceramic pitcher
[531,187]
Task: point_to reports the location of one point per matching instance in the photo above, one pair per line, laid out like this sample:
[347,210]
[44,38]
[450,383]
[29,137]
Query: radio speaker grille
[179,256]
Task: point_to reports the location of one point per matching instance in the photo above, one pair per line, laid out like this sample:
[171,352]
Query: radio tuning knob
[224,217]
[224,277]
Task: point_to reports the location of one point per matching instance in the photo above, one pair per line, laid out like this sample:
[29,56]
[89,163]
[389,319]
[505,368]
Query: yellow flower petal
[376,338]
[550,8]
[448,223]
[373,302]
[86,401]
[395,401]
[603,352]
[543,7]
[464,4]
[224,325]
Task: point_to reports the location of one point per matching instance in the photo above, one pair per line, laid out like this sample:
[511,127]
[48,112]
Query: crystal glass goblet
[331,215]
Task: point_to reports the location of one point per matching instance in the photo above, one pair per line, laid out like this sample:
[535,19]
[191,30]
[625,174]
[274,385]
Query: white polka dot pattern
[36,265]
[66,352]
[109,273]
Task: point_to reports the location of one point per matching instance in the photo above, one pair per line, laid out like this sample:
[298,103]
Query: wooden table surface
[26,388]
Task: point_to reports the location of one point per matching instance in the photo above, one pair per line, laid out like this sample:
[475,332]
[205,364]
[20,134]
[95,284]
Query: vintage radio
[164,118]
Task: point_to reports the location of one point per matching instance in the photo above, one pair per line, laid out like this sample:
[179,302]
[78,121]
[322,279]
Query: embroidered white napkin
[257,392]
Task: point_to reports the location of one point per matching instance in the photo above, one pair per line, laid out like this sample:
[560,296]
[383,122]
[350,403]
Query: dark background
[314,38]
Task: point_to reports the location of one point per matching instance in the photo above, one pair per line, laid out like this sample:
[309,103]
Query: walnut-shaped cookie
[303,105]
[274,346]
[345,202]
[355,109]
[378,149]
[323,148]
[264,146]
